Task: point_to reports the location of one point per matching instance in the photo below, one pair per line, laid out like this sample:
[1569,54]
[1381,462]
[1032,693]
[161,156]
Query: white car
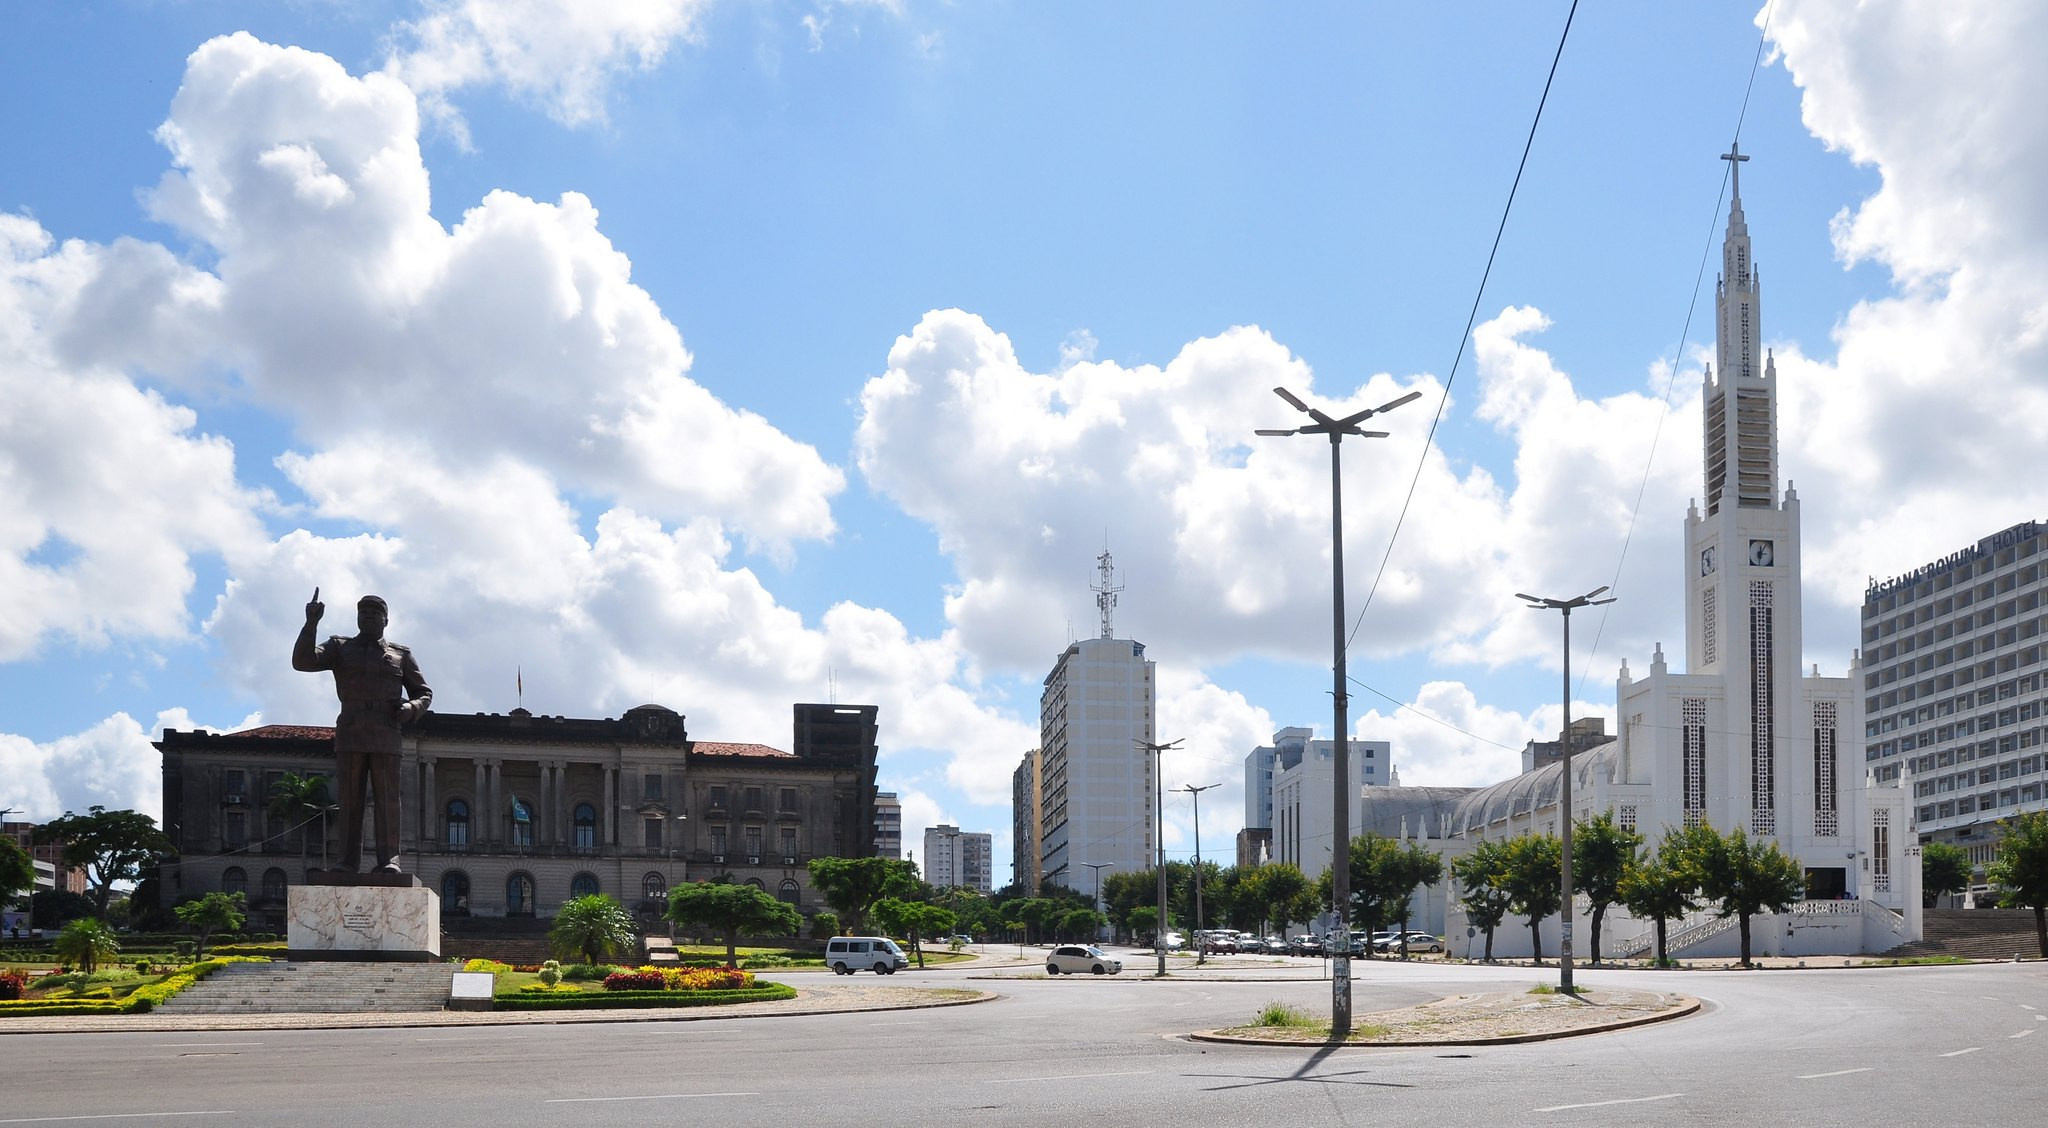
[1173,941]
[1080,959]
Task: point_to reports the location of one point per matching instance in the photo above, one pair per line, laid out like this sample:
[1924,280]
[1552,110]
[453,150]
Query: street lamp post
[1096,869]
[1564,938]
[1201,949]
[1159,840]
[1340,782]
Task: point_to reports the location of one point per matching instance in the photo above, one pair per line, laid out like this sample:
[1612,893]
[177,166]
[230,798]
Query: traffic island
[1485,1019]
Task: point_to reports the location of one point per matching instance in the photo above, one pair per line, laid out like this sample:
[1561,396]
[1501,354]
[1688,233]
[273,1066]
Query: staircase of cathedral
[1975,934]
[316,987]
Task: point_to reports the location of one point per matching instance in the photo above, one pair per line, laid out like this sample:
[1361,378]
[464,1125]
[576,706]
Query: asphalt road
[1908,1046]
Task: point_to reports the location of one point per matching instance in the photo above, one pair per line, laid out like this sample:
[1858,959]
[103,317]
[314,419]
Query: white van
[848,954]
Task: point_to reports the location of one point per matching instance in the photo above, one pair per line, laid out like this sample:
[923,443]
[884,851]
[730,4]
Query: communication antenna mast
[1106,589]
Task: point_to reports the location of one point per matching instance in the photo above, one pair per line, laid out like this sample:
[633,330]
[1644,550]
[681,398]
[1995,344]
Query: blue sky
[745,352]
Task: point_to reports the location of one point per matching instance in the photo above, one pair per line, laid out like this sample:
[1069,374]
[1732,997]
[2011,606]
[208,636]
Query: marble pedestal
[367,917]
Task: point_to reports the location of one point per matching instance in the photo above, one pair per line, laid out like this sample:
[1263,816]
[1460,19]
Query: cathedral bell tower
[1742,553]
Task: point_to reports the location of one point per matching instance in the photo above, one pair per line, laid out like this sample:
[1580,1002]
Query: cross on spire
[1735,156]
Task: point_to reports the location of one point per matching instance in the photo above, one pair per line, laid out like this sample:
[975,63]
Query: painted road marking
[649,1097]
[1604,1104]
[2024,1033]
[1068,1077]
[116,1116]
[198,1045]
[1836,1073]
[1961,1052]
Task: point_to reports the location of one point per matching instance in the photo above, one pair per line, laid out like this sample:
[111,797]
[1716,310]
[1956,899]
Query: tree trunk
[1663,953]
[1598,912]
[1489,945]
[732,943]
[1743,919]
[1536,938]
[2041,928]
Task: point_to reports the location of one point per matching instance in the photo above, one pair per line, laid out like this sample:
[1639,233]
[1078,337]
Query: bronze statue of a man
[374,680]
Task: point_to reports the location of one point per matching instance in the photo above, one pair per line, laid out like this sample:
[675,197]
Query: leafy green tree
[1409,868]
[1379,878]
[86,942]
[1661,888]
[54,908]
[853,885]
[592,926]
[214,912]
[1142,921]
[1742,876]
[1482,878]
[1944,868]
[1533,880]
[731,910]
[299,800]
[824,925]
[17,870]
[914,920]
[1081,925]
[112,846]
[2020,871]
[1602,853]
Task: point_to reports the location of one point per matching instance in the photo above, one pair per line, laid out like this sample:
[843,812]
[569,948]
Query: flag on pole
[519,681]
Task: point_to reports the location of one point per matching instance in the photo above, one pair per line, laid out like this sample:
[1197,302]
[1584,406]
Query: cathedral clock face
[1761,554]
[1706,562]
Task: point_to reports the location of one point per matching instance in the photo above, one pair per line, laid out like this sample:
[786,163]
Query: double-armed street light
[1159,838]
[1564,942]
[1201,949]
[1340,783]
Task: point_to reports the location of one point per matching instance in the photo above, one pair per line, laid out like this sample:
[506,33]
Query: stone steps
[317,987]
[1976,934]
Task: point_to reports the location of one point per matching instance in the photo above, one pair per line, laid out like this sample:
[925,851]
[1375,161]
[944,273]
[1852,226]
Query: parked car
[1173,941]
[1275,946]
[1078,959]
[1217,941]
[1306,944]
[1417,942]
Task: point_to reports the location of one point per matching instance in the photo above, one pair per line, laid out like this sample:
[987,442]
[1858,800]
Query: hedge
[140,1000]
[615,1000]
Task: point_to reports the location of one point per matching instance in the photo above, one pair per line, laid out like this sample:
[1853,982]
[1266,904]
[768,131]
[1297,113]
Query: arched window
[519,895]
[273,884]
[583,885]
[789,893]
[458,822]
[654,887]
[234,879]
[756,883]
[586,827]
[455,893]
[522,823]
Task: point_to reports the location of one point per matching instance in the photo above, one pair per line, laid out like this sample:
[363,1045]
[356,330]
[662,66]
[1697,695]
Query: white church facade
[1746,737]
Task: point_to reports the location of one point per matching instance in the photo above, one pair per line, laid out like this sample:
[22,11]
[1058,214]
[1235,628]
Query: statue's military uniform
[373,678]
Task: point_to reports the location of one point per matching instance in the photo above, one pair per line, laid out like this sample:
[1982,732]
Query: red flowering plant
[13,984]
[645,979]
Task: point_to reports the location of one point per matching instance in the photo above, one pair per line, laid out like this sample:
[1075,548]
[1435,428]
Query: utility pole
[1159,839]
[1564,940]
[1096,868]
[1340,776]
[1201,949]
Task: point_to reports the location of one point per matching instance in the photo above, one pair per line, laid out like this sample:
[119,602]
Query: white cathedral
[1745,738]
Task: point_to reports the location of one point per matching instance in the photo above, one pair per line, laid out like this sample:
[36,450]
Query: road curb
[1686,1005]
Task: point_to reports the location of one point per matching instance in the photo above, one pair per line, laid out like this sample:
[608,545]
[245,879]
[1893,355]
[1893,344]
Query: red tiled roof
[721,748]
[289,732]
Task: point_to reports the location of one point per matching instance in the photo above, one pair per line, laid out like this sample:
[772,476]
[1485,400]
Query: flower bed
[143,998]
[679,979]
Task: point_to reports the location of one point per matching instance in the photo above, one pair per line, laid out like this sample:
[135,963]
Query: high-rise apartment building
[1097,782]
[1953,668]
[888,825]
[956,857]
[1025,831]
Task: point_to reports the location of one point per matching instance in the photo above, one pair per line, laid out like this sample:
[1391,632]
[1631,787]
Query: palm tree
[296,799]
[85,942]
[593,926]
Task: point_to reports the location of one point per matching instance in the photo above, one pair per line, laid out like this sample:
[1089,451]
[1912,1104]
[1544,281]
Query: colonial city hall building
[510,816]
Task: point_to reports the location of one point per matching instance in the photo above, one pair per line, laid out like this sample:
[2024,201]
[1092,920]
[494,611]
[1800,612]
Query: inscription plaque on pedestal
[371,917]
